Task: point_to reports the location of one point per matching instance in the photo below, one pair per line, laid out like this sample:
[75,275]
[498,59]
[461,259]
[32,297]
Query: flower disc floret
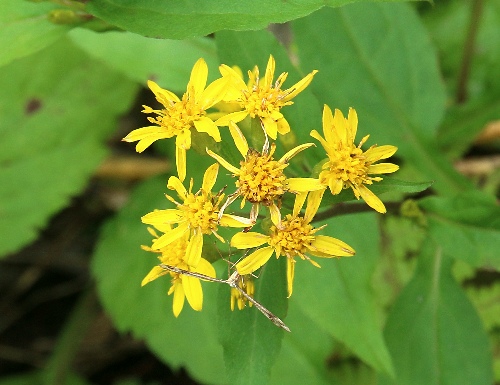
[201,210]
[293,238]
[261,178]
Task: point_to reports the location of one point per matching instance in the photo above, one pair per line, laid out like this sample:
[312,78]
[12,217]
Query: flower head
[296,238]
[348,166]
[198,214]
[179,116]
[260,178]
[245,282]
[261,97]
[183,286]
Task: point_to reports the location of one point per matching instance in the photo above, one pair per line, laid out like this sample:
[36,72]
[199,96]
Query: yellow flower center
[261,178]
[201,211]
[177,116]
[293,238]
[264,101]
[173,255]
[348,165]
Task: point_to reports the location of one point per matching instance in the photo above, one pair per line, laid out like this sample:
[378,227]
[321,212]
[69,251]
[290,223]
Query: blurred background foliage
[418,304]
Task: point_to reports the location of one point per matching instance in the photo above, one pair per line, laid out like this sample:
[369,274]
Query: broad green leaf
[119,265]
[378,59]
[251,342]
[57,107]
[167,62]
[487,300]
[339,298]
[467,227]
[172,19]
[433,333]
[25,28]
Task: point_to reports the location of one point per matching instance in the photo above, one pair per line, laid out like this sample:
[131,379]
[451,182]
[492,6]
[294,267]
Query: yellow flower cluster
[260,179]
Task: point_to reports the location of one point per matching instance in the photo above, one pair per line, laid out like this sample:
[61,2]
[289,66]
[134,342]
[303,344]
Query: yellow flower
[261,97]
[196,215]
[179,116]
[347,165]
[183,286]
[261,179]
[296,237]
[245,283]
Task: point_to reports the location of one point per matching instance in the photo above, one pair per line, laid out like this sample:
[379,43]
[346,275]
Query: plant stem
[468,53]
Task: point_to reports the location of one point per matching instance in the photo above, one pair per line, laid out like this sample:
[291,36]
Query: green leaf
[338,297]
[251,342]
[433,333]
[167,62]
[57,108]
[25,29]
[179,20]
[38,378]
[119,265]
[378,59]
[467,226]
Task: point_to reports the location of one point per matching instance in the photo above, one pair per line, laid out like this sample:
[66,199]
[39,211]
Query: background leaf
[25,29]
[180,20]
[467,226]
[52,136]
[433,332]
[339,298]
[167,62]
[366,56]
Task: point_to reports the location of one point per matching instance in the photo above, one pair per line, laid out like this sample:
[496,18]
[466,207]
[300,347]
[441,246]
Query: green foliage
[48,133]
[433,332]
[181,20]
[391,314]
[25,29]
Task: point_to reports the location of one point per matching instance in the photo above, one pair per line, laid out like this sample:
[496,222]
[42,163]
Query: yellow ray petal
[270,126]
[228,220]
[383,168]
[205,267]
[193,291]
[270,68]
[167,238]
[294,151]
[275,215]
[290,273]
[299,203]
[214,93]
[335,185]
[155,272]
[283,126]
[379,152]
[371,199]
[205,124]
[352,123]
[210,177]
[180,162]
[194,248]
[233,116]
[142,133]
[255,260]
[332,246]
[178,301]
[313,203]
[198,78]
[224,163]
[235,78]
[328,125]
[161,93]
[248,240]
[299,185]
[168,216]
[238,138]
[315,134]
[298,87]
[339,130]
[175,183]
